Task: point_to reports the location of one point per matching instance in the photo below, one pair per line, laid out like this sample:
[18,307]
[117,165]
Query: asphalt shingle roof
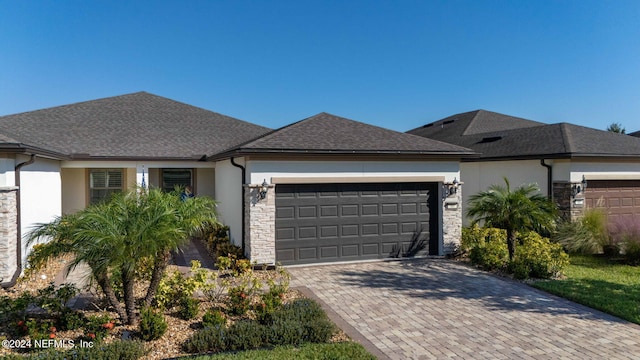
[137,125]
[330,134]
[497,136]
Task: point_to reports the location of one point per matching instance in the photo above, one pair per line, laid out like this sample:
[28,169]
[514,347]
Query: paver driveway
[434,309]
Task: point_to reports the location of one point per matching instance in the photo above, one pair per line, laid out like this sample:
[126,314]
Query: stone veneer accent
[8,233]
[569,210]
[452,221]
[260,224]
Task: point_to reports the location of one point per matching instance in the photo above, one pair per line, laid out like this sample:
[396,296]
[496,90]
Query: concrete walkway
[438,309]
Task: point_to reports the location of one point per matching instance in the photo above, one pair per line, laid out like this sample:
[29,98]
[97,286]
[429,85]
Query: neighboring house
[372,188]
[636,134]
[561,158]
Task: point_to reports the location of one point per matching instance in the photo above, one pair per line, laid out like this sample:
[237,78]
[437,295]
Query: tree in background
[616,128]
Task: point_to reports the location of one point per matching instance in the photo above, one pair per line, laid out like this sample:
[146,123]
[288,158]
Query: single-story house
[579,167]
[323,189]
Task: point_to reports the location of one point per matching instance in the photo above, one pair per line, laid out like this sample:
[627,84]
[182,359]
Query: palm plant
[117,236]
[514,211]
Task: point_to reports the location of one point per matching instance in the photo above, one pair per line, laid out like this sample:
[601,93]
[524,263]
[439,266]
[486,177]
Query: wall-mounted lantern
[450,189]
[578,188]
[263,190]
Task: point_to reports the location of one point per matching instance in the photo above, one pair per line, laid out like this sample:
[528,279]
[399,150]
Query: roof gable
[327,133]
[135,125]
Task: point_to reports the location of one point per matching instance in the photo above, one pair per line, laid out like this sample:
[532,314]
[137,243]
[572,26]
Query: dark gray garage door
[344,222]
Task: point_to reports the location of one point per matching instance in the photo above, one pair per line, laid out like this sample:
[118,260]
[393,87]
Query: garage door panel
[307,253]
[329,252]
[370,229]
[390,229]
[329,231]
[287,212]
[620,198]
[349,221]
[329,211]
[349,210]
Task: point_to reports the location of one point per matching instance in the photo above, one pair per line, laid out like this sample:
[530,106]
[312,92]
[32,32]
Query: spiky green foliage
[116,236]
[513,210]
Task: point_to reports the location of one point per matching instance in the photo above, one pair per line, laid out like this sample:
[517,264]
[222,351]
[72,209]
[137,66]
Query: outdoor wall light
[450,189]
[577,189]
[263,189]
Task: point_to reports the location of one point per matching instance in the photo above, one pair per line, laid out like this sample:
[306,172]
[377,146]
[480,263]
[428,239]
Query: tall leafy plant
[115,237]
[518,210]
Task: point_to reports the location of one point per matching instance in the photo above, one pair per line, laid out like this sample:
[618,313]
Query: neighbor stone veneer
[260,222]
[452,221]
[566,204]
[8,233]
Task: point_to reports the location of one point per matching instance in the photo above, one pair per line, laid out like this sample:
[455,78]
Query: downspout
[15,276]
[244,175]
[549,179]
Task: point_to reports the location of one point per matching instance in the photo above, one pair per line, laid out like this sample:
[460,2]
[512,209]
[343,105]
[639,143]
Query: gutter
[244,176]
[549,179]
[16,275]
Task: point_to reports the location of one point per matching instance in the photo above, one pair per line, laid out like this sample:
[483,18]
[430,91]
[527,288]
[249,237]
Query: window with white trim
[103,183]
[176,177]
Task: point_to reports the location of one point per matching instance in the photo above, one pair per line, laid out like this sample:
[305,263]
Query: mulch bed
[169,346]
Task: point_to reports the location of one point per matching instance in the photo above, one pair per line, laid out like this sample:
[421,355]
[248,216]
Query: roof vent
[490,139]
[448,122]
[428,125]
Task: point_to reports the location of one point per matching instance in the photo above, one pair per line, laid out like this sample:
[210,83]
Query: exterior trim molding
[355,179]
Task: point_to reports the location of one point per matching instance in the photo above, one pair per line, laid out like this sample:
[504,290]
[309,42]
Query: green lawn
[600,283]
[335,351]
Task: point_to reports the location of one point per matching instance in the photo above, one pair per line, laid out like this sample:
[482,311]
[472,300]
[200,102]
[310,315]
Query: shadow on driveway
[443,279]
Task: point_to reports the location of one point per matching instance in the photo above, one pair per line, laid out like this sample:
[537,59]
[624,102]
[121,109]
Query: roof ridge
[77,103]
[566,139]
[464,131]
[268,133]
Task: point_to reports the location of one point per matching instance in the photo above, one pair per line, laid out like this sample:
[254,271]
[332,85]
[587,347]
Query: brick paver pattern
[440,309]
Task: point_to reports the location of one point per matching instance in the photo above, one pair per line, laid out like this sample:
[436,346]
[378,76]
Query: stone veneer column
[452,221]
[8,233]
[260,224]
[569,209]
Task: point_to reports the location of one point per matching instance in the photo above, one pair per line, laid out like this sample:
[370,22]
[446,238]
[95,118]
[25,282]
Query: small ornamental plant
[239,301]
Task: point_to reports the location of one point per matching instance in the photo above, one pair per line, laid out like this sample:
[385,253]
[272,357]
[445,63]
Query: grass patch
[334,351]
[601,284]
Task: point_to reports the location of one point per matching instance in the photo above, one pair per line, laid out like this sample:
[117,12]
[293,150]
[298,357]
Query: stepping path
[439,309]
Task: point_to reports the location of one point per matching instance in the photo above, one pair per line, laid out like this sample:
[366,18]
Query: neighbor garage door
[621,198]
[344,222]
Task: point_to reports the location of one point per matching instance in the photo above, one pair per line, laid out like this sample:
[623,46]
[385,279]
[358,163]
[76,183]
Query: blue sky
[396,64]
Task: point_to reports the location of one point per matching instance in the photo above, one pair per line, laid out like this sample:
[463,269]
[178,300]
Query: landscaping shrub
[71,320]
[627,233]
[152,324]
[587,235]
[213,317]
[175,286]
[245,335]
[293,324]
[188,307]
[537,257]
[239,300]
[319,331]
[269,303]
[209,339]
[122,350]
[285,332]
[97,326]
[487,247]
[303,310]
